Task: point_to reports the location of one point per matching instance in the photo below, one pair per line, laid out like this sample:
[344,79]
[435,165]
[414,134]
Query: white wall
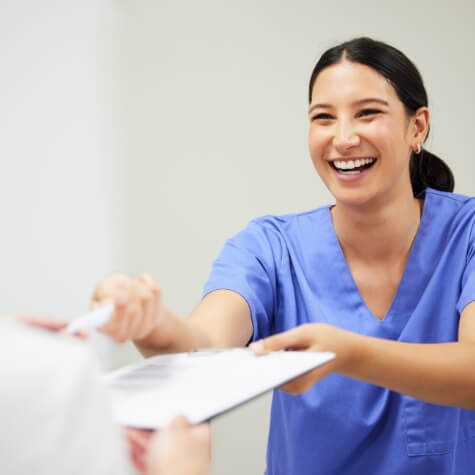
[58,176]
[139,135]
[214,97]
[61,174]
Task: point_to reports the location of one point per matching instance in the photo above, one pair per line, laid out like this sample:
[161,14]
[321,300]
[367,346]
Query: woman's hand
[137,303]
[180,449]
[311,337]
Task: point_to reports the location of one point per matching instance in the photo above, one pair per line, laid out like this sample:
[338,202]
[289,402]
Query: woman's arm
[221,319]
[442,373]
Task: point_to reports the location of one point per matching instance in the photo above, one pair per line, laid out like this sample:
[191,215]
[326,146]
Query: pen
[91,320]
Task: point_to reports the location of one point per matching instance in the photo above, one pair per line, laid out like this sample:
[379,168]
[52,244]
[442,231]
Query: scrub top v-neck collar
[412,283]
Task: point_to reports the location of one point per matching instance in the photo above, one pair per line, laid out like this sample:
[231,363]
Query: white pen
[91,320]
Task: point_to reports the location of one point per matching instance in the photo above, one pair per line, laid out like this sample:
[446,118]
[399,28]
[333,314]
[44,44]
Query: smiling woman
[385,94]
[384,278]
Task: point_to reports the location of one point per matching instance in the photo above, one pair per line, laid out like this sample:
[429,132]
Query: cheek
[317,143]
[386,135]
[381,134]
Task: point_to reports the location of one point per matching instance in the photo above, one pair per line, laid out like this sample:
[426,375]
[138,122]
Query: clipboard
[200,385]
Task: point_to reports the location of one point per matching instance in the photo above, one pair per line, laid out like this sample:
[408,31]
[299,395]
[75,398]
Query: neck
[379,232]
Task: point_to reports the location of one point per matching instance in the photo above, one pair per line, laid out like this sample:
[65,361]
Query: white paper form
[200,385]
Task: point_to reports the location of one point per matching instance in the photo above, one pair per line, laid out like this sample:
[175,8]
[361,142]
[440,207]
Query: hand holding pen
[134,306]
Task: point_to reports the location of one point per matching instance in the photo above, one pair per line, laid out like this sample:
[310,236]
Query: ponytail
[429,171]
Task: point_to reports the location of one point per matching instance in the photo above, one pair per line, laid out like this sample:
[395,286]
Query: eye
[323,116]
[369,112]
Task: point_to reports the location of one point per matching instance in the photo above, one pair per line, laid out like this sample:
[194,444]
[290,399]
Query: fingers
[201,432]
[107,289]
[137,305]
[305,382]
[180,448]
[150,303]
[299,338]
[179,423]
[308,337]
[138,442]
[139,436]
[43,322]
[49,324]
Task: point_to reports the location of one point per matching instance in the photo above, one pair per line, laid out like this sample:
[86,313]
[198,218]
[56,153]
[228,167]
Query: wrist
[353,346]
[157,339]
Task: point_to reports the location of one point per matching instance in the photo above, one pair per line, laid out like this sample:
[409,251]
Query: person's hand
[180,449]
[137,306]
[310,337]
[138,443]
[49,324]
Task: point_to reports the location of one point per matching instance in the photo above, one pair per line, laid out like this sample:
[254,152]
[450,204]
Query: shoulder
[451,206]
[450,199]
[451,216]
[290,223]
[272,235]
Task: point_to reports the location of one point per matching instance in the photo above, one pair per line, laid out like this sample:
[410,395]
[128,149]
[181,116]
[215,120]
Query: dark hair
[426,169]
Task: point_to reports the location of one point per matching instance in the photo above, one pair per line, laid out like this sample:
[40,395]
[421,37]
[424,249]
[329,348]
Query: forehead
[351,81]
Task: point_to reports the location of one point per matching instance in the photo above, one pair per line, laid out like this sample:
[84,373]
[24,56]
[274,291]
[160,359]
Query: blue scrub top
[291,270]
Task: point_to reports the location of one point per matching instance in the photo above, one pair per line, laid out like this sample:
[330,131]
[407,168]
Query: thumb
[295,339]
[179,423]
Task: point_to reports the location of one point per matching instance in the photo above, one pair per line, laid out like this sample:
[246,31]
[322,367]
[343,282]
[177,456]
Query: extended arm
[442,373]
[221,319]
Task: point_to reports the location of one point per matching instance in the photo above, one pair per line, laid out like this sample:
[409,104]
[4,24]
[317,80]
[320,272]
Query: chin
[354,197]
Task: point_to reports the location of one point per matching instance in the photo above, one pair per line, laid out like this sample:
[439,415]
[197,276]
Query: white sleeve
[55,419]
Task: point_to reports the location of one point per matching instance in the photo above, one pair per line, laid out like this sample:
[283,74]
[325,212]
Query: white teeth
[351,164]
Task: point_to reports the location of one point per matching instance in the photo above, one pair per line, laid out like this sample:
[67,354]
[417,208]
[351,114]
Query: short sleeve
[468,278]
[247,265]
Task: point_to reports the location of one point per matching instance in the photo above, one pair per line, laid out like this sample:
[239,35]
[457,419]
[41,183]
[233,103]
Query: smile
[352,166]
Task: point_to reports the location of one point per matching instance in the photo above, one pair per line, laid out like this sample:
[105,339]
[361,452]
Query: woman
[385,278]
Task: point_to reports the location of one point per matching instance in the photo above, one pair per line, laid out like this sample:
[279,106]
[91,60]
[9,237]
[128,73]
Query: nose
[345,137]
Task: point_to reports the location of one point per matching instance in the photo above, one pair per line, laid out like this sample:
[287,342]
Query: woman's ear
[420,126]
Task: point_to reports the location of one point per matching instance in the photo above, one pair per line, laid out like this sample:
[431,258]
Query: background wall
[61,176]
[214,99]
[59,173]
[139,135]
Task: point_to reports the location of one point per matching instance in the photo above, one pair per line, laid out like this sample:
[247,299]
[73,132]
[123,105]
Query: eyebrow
[356,103]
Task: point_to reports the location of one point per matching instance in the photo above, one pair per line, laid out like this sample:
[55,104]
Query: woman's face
[360,135]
